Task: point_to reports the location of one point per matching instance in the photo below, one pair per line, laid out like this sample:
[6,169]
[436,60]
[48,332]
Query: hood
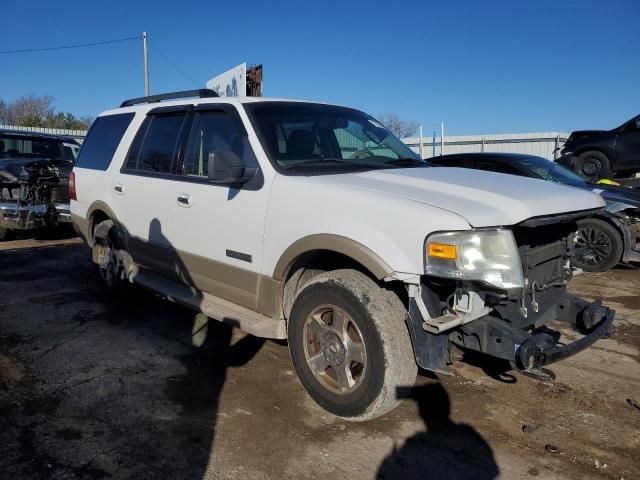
[483,199]
[581,133]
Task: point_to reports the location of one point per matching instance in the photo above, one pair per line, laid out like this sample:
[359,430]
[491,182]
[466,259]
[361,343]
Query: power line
[46,49]
[178,69]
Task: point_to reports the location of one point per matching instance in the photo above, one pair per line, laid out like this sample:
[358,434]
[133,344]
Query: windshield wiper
[338,161]
[408,162]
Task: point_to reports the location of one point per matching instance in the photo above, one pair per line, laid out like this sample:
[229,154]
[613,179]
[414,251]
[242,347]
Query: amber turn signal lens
[442,250]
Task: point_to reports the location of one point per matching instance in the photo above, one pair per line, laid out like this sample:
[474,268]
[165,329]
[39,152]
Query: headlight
[489,256]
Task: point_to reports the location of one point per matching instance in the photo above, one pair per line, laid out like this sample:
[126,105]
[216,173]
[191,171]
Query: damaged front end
[33,193]
[509,318]
[625,215]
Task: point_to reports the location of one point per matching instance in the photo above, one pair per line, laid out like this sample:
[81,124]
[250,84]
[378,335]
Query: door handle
[119,188]
[185,200]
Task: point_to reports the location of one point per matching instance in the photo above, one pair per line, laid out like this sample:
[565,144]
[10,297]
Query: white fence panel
[540,144]
[77,134]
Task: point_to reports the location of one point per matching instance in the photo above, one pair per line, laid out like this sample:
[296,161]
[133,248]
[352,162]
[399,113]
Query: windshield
[303,136]
[20,146]
[552,172]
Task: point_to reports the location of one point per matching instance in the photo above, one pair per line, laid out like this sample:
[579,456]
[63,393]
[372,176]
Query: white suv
[312,222]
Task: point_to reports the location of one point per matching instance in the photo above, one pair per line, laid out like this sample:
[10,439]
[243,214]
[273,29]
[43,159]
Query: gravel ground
[93,386]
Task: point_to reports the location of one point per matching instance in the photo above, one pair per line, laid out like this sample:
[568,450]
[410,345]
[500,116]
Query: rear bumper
[16,216]
[63,212]
[22,217]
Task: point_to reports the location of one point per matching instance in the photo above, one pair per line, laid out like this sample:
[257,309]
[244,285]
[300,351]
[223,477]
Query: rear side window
[134,151]
[103,140]
[160,143]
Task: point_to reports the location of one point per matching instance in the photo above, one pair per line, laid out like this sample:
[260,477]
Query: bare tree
[3,112]
[31,110]
[38,111]
[399,127]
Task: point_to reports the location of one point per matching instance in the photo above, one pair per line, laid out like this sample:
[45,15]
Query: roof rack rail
[201,93]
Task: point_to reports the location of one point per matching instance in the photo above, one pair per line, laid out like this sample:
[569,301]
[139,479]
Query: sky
[481,67]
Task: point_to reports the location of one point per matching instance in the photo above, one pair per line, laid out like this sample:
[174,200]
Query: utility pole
[421,144]
[442,139]
[146,64]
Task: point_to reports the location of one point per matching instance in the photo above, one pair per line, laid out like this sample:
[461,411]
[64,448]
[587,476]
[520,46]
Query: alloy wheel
[108,263]
[334,349]
[593,246]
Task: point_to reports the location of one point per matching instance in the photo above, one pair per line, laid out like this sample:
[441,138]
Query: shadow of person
[446,450]
[199,389]
[211,353]
[137,397]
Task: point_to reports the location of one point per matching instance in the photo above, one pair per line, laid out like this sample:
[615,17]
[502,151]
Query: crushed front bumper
[525,349]
[540,346]
[16,216]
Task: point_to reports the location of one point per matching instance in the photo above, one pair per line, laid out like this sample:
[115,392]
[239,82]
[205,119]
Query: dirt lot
[98,387]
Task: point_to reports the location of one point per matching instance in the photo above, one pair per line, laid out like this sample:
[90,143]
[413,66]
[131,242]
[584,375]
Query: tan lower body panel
[215,307]
[245,288]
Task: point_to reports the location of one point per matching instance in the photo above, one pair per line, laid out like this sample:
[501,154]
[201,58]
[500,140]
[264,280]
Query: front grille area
[545,251]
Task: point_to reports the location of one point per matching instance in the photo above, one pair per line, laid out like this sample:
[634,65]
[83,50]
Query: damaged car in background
[597,154]
[34,180]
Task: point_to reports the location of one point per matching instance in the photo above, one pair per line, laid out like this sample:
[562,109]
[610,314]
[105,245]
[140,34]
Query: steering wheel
[362,154]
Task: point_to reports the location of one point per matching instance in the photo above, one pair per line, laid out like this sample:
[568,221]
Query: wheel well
[97,217]
[310,264]
[612,223]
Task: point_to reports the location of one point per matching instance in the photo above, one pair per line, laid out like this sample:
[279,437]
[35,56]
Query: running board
[214,307]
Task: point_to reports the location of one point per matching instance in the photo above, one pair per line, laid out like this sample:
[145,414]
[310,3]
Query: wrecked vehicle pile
[34,178]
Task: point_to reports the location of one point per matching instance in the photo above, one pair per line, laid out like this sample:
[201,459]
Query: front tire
[350,346]
[598,245]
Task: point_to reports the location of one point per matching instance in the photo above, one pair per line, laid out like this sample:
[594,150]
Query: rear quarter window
[103,140]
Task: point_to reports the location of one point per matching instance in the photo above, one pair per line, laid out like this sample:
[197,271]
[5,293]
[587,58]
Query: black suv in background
[34,178]
[603,240]
[597,154]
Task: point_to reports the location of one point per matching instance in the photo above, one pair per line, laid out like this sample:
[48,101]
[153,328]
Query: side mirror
[228,168]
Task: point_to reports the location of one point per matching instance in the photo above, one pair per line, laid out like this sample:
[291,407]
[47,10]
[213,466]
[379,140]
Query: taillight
[72,186]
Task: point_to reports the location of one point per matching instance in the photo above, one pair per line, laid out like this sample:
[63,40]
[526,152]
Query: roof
[26,133]
[205,101]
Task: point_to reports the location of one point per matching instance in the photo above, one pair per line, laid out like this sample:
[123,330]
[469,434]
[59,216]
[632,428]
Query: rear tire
[108,255]
[350,345]
[593,165]
[598,245]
